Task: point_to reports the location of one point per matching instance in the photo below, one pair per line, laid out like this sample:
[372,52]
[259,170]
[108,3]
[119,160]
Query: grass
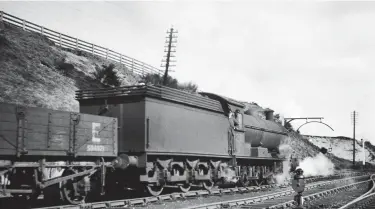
[36,73]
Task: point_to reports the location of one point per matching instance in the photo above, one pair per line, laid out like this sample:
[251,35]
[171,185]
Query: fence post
[120,58]
[143,68]
[106,54]
[92,49]
[60,39]
[23,24]
[42,30]
[1,20]
[132,65]
[77,44]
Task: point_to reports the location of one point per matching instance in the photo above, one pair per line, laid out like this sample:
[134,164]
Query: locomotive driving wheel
[207,185]
[185,188]
[69,189]
[244,181]
[155,190]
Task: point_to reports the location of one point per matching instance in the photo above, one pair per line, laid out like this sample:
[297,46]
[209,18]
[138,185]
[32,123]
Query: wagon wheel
[155,190]
[67,190]
[185,188]
[208,185]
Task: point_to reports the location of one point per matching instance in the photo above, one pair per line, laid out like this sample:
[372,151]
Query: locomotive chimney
[269,114]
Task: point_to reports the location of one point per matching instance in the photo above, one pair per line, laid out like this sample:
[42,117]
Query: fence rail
[65,41]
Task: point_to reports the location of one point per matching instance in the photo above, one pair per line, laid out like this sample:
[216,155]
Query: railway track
[366,200]
[336,200]
[273,200]
[144,201]
[323,197]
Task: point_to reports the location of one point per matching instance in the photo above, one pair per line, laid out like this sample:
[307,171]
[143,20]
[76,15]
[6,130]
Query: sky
[299,58]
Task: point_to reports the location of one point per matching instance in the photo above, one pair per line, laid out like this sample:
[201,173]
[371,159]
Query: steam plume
[285,151]
[317,165]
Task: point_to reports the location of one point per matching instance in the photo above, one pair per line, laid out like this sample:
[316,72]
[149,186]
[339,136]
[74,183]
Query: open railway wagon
[43,149]
[171,138]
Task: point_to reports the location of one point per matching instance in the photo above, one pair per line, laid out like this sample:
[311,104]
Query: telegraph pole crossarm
[288,120]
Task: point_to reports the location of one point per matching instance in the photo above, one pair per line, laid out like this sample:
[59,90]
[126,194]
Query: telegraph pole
[364,152]
[354,116]
[170,39]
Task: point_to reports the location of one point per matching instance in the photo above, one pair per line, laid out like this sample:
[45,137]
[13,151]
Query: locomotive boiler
[137,137]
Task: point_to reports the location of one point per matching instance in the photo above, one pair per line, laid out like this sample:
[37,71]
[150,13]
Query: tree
[288,126]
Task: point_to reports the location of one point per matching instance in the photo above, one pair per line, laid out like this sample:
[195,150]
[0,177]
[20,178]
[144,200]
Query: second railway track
[272,200]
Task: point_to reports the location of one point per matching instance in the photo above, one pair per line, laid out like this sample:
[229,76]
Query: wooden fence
[66,41]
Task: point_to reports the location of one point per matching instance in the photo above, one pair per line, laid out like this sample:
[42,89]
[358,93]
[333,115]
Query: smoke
[284,177]
[318,165]
[229,175]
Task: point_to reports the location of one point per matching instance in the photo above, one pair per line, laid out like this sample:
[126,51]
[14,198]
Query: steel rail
[191,194]
[317,195]
[251,200]
[360,200]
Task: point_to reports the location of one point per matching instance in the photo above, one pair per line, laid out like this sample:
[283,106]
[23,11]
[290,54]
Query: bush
[156,79]
[188,86]
[323,150]
[107,75]
[61,65]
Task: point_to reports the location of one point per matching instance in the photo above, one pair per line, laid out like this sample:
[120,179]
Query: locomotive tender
[137,136]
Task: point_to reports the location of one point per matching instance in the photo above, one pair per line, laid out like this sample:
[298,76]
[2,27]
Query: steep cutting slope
[303,148]
[35,72]
[342,147]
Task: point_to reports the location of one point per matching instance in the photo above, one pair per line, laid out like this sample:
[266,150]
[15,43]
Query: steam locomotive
[141,137]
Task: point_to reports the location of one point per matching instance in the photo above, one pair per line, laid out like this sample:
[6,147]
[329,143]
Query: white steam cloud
[319,165]
[284,177]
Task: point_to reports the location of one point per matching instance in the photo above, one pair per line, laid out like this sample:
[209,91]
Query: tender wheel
[68,190]
[154,190]
[185,188]
[208,185]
